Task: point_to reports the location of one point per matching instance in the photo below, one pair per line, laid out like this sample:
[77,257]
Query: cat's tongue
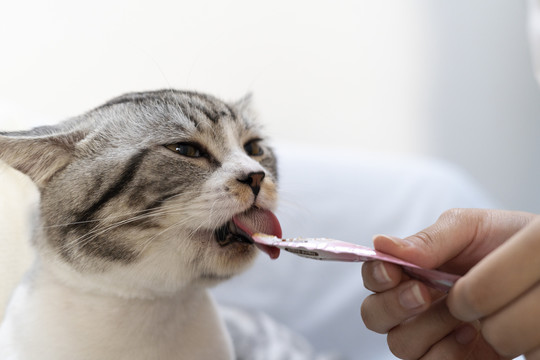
[260,221]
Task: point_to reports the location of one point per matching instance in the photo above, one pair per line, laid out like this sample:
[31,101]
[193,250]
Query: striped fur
[127,218]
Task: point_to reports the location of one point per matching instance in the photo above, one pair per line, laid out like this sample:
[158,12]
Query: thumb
[412,249]
[436,244]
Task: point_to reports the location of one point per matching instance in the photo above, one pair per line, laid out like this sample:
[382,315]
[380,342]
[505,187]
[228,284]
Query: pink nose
[253,180]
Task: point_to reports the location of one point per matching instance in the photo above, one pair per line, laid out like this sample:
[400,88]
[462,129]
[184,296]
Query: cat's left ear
[244,105]
[38,155]
[244,101]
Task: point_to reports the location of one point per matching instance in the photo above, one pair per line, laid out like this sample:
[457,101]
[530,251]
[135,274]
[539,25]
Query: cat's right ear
[38,155]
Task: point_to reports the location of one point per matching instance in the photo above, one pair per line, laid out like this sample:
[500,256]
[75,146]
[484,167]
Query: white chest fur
[48,320]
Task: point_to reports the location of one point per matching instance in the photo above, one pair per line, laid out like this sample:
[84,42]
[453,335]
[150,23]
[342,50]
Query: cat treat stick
[336,250]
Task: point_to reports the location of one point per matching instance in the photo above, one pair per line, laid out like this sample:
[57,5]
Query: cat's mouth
[230,233]
[242,226]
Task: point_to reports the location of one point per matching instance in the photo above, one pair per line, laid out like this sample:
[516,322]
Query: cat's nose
[254,180]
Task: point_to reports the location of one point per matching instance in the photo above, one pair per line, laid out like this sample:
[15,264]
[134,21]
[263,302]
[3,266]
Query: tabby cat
[146,201]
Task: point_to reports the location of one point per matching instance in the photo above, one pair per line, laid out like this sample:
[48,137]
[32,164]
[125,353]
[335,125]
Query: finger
[464,343]
[533,354]
[505,274]
[515,329]
[379,276]
[451,348]
[383,311]
[414,337]
[461,235]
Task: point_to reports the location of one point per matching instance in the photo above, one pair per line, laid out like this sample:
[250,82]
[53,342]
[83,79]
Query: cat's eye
[187,149]
[253,148]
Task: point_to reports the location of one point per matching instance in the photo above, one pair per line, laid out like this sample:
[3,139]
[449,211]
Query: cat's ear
[244,106]
[37,153]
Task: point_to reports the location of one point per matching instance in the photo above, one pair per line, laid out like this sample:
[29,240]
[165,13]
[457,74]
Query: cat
[144,203]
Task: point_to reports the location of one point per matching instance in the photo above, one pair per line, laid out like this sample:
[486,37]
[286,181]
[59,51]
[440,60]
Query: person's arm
[491,313]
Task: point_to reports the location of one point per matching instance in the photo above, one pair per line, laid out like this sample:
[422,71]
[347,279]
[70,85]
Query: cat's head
[141,192]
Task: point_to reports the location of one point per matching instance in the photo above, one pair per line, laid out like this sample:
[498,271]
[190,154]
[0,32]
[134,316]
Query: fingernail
[394,239]
[411,297]
[465,334]
[380,274]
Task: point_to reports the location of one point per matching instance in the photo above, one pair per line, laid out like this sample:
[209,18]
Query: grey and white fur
[136,196]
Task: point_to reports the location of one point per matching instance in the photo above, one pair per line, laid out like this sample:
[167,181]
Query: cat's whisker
[150,240]
[86,238]
[109,217]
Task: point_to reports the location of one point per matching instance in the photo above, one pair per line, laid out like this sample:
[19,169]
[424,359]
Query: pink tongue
[260,221]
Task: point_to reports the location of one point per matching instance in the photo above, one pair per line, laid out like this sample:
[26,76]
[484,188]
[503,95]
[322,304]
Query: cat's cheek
[241,196]
[268,196]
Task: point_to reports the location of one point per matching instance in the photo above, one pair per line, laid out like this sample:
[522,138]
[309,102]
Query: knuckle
[452,214]
[460,215]
[453,222]
[452,217]
[426,238]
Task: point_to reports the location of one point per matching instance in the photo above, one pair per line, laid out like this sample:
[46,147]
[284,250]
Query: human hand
[492,312]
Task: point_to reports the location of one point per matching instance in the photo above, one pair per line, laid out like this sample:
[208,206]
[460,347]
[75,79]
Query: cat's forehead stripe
[190,104]
[212,109]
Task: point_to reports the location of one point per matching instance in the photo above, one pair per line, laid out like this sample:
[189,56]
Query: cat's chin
[225,262]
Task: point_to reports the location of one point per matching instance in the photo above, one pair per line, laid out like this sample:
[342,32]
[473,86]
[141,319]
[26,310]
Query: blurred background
[451,80]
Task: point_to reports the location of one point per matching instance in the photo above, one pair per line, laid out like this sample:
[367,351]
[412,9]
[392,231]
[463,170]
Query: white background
[446,79]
